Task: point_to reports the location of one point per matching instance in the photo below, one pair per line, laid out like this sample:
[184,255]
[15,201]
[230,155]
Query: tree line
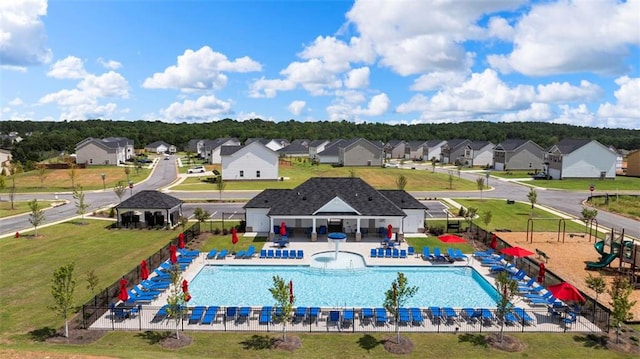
[42,139]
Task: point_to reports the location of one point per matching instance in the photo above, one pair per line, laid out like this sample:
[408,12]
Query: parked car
[541,176]
[197,169]
[392,165]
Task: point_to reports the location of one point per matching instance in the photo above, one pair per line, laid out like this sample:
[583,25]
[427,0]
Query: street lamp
[131,188]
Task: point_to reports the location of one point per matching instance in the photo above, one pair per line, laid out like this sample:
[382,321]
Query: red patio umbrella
[234,235]
[123,295]
[290,292]
[389,232]
[185,286]
[181,240]
[541,271]
[173,257]
[451,238]
[516,252]
[283,229]
[144,270]
[566,292]
[494,242]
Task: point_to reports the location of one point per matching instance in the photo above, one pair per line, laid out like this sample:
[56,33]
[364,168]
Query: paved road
[165,173]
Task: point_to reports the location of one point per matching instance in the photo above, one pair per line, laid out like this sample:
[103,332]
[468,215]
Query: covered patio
[149,209]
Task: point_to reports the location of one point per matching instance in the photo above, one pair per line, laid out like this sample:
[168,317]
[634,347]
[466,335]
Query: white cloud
[573,36]
[357,78]
[22,33]
[336,55]
[625,112]
[70,67]
[378,105]
[436,80]
[500,28]
[269,88]
[110,84]
[565,92]
[204,108]
[200,70]
[536,112]
[342,110]
[578,116]
[296,107]
[16,102]
[109,64]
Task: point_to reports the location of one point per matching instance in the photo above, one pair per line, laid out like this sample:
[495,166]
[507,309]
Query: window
[241,173]
[90,160]
[257,174]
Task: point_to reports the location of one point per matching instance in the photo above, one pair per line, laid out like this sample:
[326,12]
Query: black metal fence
[95,308]
[338,320]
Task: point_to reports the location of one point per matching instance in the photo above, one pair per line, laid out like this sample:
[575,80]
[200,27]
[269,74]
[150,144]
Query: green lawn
[625,205]
[601,186]
[511,174]
[18,207]
[378,177]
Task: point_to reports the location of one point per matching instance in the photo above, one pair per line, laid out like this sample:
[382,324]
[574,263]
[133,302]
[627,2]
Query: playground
[567,257]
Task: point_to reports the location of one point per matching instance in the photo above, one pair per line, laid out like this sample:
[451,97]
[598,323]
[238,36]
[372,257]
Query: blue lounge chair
[222,254]
[380,252]
[188,253]
[292,254]
[300,314]
[366,315]
[403,316]
[450,314]
[212,254]
[270,254]
[374,252]
[426,254]
[210,315]
[571,318]
[243,314]
[263,253]
[524,316]
[314,313]
[117,312]
[403,253]
[387,253]
[488,253]
[416,316]
[231,313]
[277,314]
[285,254]
[347,318]
[299,254]
[519,275]
[436,314]
[278,254]
[248,254]
[437,255]
[395,253]
[510,319]
[155,285]
[240,254]
[196,314]
[265,315]
[161,314]
[381,316]
[411,251]
[487,317]
[461,255]
[492,261]
[472,315]
[333,318]
[452,255]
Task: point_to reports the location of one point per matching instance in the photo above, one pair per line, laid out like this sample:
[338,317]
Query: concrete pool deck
[146,319]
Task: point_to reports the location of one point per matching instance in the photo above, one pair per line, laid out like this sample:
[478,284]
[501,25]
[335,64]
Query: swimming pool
[249,286]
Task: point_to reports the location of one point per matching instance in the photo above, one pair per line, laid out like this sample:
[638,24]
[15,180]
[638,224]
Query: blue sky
[574,62]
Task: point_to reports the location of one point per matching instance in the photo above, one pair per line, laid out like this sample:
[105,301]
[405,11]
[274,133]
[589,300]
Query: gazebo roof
[150,199]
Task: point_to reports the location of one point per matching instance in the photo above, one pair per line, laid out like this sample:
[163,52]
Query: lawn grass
[19,207]
[331,345]
[628,206]
[378,177]
[89,178]
[511,174]
[27,265]
[621,183]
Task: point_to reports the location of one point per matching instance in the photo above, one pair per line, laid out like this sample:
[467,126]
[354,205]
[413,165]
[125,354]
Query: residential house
[518,154]
[353,152]
[160,147]
[331,152]
[316,147]
[297,148]
[323,205]
[417,149]
[396,149]
[433,150]
[254,161]
[580,158]
[196,146]
[633,163]
[106,151]
[481,154]
[274,144]
[619,159]
[5,158]
[211,148]
[456,151]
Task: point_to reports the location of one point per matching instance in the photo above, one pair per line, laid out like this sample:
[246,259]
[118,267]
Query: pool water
[249,286]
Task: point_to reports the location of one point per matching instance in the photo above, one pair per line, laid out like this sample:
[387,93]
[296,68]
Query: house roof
[316,143]
[229,150]
[478,145]
[332,148]
[309,197]
[120,141]
[294,148]
[568,145]
[457,143]
[432,143]
[150,199]
[416,144]
[511,144]
[157,144]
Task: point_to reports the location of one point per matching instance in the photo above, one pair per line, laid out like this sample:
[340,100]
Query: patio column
[314,234]
[358,233]
[271,233]
[401,231]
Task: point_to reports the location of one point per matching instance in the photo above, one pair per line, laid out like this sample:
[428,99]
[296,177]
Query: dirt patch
[405,346]
[507,344]
[291,343]
[76,336]
[171,342]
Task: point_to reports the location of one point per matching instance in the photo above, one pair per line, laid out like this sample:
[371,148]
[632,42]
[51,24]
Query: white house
[106,151]
[212,148]
[254,161]
[580,158]
[160,147]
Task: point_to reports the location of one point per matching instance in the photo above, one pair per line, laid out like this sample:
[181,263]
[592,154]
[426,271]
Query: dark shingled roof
[478,145]
[229,150]
[150,199]
[511,144]
[310,196]
[569,145]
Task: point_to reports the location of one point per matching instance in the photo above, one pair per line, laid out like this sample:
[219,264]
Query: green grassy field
[601,186]
[628,206]
[18,207]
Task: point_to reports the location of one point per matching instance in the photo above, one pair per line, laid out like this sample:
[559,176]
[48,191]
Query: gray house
[481,154]
[149,209]
[297,148]
[434,150]
[396,149]
[106,151]
[518,154]
[323,205]
[316,147]
[212,149]
[580,158]
[456,151]
[353,152]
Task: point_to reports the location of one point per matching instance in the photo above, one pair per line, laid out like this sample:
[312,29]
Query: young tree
[597,284]
[486,217]
[42,174]
[81,205]
[220,185]
[73,174]
[507,288]
[284,300]
[588,215]
[62,289]
[104,177]
[201,214]
[450,179]
[177,299]
[480,184]
[3,184]
[620,291]
[37,215]
[396,297]
[92,281]
[127,171]
[119,190]
[401,182]
[469,215]
[433,166]
[533,198]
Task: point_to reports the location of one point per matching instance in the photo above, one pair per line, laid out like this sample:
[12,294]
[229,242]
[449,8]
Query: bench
[542,254]
[571,235]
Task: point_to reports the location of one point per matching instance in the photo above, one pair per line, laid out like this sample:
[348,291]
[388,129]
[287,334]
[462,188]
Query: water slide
[604,261]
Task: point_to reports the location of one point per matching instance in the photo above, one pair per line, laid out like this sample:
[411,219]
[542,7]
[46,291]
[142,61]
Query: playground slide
[605,261]
[599,246]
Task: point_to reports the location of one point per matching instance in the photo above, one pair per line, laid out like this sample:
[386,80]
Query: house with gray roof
[580,158]
[353,152]
[323,205]
[297,148]
[196,146]
[315,147]
[481,154]
[456,151]
[254,161]
[274,143]
[518,154]
[211,149]
[396,149]
[106,151]
[148,209]
[160,147]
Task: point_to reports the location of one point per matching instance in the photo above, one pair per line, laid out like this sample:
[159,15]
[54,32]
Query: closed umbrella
[541,272]
[144,270]
[181,241]
[566,292]
[123,295]
[185,290]
[494,242]
[283,229]
[173,257]
[290,292]
[451,238]
[389,232]
[234,235]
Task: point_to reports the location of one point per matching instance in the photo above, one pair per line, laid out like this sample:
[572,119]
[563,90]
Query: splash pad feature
[337,259]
